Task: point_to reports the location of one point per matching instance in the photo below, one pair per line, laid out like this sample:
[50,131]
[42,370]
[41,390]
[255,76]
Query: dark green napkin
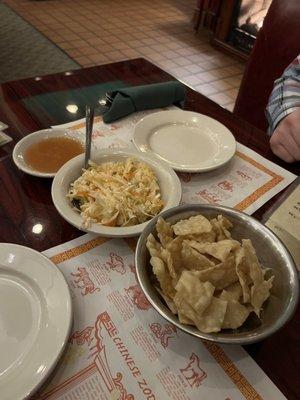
[137,98]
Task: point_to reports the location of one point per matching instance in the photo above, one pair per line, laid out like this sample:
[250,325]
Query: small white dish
[35,319]
[21,147]
[168,181]
[187,141]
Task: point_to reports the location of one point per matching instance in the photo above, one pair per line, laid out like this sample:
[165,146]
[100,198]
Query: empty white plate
[187,141]
[35,319]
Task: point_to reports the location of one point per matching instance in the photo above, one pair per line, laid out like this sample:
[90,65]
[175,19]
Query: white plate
[21,147]
[35,319]
[168,181]
[187,141]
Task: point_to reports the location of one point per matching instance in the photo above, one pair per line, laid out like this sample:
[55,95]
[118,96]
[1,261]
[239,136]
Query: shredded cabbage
[117,193]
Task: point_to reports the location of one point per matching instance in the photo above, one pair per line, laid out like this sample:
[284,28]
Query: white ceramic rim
[18,151]
[64,207]
[19,389]
[180,115]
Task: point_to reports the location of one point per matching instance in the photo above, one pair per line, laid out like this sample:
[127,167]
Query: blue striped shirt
[285,97]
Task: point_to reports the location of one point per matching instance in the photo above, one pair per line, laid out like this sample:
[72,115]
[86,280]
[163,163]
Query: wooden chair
[277,44]
[207,14]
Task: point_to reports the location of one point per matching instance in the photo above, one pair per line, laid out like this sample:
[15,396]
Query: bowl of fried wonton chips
[217,273]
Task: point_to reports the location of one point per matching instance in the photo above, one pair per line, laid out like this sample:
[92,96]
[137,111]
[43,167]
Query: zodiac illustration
[193,373]
[83,281]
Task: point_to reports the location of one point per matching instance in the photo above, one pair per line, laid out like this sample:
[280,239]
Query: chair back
[276,46]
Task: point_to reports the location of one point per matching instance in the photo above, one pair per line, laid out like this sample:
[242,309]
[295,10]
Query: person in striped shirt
[283,114]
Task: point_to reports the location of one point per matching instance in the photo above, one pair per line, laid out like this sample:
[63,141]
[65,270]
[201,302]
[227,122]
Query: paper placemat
[4,138]
[3,126]
[120,348]
[246,183]
[285,222]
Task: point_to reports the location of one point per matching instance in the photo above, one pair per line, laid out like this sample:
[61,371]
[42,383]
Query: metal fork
[104,105]
[89,121]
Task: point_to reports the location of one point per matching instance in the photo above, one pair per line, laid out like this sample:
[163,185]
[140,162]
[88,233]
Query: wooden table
[26,201]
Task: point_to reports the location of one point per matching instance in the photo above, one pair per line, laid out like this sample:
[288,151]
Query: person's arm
[283,114]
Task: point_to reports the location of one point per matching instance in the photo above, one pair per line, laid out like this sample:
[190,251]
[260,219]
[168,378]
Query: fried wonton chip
[156,250]
[210,320]
[168,259]
[195,225]
[198,294]
[186,313]
[170,303]
[236,313]
[265,271]
[259,294]
[184,320]
[172,257]
[205,237]
[219,250]
[220,226]
[243,274]
[164,231]
[225,223]
[234,290]
[161,272]
[192,259]
[213,317]
[220,275]
[153,246]
[255,271]
[260,290]
[209,279]
[174,247]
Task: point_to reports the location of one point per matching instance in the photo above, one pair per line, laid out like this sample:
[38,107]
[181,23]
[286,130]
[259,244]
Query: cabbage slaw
[123,193]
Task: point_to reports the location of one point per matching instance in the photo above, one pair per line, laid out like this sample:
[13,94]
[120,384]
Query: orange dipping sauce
[48,155]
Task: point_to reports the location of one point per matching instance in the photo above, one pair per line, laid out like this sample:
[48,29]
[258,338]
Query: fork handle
[89,121]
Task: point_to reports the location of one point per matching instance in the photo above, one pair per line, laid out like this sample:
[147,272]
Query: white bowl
[169,184]
[21,147]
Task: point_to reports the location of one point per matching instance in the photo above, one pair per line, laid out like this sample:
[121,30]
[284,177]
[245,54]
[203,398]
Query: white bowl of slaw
[168,181]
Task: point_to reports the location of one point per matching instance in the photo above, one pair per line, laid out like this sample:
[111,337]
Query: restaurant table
[28,216]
